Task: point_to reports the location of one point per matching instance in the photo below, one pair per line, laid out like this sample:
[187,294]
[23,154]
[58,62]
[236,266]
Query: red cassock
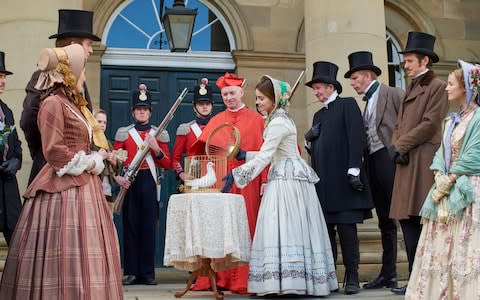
[184,140]
[251,125]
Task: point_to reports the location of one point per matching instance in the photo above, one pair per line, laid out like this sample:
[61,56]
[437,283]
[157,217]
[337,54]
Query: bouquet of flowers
[5,131]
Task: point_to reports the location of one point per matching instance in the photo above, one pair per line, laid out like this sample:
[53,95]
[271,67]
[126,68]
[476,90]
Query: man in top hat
[250,124]
[379,117]
[10,163]
[335,143]
[74,27]
[188,133]
[140,207]
[416,137]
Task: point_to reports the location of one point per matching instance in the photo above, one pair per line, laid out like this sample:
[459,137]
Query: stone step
[370,256]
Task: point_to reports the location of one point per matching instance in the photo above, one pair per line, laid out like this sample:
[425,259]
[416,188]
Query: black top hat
[422,43]
[325,72]
[75,23]
[202,92]
[142,97]
[2,65]
[361,60]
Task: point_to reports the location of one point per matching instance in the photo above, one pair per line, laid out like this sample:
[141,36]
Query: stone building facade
[277,37]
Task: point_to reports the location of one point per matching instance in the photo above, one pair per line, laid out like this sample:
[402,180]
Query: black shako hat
[325,72]
[142,97]
[422,43]
[75,23]
[3,70]
[361,60]
[202,92]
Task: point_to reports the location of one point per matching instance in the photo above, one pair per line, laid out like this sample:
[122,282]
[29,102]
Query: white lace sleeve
[99,165]
[79,163]
[251,169]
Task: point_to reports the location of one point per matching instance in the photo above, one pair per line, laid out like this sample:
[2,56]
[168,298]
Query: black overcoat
[10,203]
[340,146]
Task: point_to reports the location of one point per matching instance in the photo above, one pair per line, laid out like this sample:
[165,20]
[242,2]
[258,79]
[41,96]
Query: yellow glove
[437,196]
[443,184]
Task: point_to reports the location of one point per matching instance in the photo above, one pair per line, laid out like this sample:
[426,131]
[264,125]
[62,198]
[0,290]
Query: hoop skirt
[291,252]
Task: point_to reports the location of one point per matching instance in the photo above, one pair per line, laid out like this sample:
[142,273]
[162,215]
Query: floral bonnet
[471,77]
[281,90]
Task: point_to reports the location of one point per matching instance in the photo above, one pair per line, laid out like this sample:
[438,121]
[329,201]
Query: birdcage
[203,174]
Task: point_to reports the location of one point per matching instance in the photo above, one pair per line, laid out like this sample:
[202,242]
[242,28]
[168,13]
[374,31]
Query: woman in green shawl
[447,262]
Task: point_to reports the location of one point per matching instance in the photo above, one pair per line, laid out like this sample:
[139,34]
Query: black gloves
[241,155]
[313,133]
[228,183]
[10,166]
[401,159]
[355,182]
[160,155]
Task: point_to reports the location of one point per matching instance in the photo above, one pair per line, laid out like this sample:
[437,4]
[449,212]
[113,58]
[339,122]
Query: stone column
[334,29]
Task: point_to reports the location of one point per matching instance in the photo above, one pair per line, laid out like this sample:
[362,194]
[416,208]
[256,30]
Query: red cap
[229,79]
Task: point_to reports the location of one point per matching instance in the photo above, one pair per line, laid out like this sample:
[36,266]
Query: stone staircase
[371,253]
[370,256]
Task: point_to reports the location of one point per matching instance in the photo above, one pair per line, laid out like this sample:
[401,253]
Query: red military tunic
[140,208]
[185,138]
[251,125]
[127,143]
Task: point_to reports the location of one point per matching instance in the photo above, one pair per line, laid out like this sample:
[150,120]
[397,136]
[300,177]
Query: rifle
[137,161]
[296,84]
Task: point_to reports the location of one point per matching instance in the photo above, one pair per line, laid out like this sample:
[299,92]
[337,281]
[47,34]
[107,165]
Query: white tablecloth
[206,225]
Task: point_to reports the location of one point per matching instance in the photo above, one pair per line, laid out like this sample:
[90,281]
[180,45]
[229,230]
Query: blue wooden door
[117,86]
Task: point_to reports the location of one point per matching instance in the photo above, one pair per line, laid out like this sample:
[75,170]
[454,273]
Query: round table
[206,232]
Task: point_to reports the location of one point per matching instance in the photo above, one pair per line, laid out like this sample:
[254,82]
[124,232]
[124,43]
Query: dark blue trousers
[140,215]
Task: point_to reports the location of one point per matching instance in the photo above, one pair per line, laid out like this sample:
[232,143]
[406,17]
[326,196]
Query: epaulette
[184,128]
[122,133]
[162,137]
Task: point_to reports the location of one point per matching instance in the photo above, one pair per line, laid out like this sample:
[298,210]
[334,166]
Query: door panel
[118,85]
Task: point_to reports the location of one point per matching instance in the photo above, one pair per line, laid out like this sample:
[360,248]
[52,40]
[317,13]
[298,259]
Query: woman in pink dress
[65,244]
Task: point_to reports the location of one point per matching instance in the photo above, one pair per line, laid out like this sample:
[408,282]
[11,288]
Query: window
[396,75]
[137,25]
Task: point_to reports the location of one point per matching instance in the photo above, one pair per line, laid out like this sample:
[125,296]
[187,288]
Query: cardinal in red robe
[250,124]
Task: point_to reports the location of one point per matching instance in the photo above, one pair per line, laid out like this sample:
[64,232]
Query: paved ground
[167,291]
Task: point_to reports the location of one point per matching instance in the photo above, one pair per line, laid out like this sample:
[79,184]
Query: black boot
[351,256]
[351,283]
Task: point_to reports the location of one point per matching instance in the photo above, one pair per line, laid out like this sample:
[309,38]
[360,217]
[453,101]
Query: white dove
[206,180]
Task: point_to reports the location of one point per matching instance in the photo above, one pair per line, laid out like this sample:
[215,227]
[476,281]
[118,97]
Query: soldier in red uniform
[188,133]
[140,208]
[250,124]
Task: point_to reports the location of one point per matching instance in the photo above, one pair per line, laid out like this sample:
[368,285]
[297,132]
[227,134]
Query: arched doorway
[137,52]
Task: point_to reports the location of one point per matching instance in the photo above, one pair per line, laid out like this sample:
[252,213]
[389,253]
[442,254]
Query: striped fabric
[64,247]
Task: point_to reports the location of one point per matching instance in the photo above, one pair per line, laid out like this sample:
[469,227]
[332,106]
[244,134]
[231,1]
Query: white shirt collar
[330,99]
[235,110]
[421,73]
